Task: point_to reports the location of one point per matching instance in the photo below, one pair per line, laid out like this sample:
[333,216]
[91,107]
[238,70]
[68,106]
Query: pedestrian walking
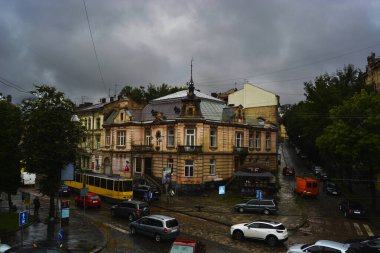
[37,205]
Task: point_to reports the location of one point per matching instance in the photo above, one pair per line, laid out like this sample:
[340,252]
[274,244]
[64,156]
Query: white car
[270,231]
[4,247]
[325,245]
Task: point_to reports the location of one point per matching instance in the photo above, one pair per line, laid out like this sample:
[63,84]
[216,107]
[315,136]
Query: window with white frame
[108,137]
[212,166]
[147,136]
[190,137]
[97,142]
[189,168]
[239,139]
[250,140]
[170,136]
[171,164]
[267,140]
[213,137]
[121,138]
[258,139]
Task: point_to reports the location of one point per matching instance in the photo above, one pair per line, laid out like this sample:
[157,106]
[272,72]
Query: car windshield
[280,227]
[306,245]
[94,197]
[181,249]
[171,223]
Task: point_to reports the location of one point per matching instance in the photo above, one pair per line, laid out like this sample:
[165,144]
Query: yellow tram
[110,188]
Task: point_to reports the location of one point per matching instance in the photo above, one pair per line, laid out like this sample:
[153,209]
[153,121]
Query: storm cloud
[276,45]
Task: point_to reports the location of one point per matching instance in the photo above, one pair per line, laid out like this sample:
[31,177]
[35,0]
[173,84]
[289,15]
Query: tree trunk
[10,203]
[51,219]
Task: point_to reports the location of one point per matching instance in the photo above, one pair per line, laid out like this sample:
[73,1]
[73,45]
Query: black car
[265,206]
[131,209]
[369,245]
[352,209]
[331,188]
[64,190]
[140,192]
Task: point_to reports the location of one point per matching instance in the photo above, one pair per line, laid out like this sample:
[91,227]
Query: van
[28,178]
[307,186]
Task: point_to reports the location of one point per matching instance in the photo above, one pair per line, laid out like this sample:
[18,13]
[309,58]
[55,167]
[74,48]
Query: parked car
[186,245]
[368,245]
[331,188]
[91,200]
[270,231]
[352,209]
[322,175]
[43,249]
[4,247]
[265,206]
[140,192]
[64,190]
[320,246]
[131,209]
[306,186]
[160,227]
[288,171]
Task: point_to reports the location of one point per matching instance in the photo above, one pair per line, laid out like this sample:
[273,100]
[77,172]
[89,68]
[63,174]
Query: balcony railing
[241,150]
[142,148]
[189,149]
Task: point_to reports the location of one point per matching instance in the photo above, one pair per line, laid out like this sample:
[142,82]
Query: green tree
[10,153]
[50,138]
[140,95]
[353,137]
[306,120]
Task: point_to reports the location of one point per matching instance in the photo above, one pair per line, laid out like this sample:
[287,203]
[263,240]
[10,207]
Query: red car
[92,200]
[288,171]
[187,245]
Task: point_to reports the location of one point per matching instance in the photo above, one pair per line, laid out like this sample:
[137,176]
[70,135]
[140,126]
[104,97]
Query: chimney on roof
[103,100]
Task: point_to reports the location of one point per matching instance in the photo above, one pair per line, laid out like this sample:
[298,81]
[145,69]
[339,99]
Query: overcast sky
[276,45]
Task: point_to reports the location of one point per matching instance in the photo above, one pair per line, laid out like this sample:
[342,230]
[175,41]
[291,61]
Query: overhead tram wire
[93,45]
[12,85]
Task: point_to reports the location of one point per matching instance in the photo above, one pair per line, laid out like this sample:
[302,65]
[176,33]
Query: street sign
[222,189]
[259,194]
[83,192]
[23,218]
[60,234]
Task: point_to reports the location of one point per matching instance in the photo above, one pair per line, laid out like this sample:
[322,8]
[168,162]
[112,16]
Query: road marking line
[348,227]
[117,228]
[369,231]
[357,228]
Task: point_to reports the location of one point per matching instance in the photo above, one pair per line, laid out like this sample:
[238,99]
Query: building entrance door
[148,166]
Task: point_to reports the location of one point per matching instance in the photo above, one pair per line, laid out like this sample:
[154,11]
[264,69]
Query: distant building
[257,102]
[372,74]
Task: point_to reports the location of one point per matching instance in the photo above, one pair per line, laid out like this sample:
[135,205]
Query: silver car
[160,227]
[325,245]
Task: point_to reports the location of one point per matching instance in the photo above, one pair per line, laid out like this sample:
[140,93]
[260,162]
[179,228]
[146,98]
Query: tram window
[97,181]
[91,180]
[127,186]
[77,177]
[109,184]
[103,183]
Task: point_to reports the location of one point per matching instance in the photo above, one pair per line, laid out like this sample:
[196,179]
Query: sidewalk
[81,235]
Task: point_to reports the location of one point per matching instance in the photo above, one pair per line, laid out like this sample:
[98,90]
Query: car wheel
[133,230]
[131,217]
[238,235]
[266,212]
[157,237]
[271,240]
[241,209]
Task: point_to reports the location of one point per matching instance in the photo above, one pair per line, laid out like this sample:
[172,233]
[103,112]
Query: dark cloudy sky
[276,45]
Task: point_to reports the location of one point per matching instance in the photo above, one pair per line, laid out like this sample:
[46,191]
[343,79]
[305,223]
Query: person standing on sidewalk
[37,205]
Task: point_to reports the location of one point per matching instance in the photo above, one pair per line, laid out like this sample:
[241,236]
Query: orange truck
[307,186]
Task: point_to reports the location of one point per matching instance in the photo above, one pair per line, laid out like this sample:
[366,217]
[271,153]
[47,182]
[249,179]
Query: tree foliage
[306,120]
[50,138]
[10,153]
[352,139]
[143,96]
